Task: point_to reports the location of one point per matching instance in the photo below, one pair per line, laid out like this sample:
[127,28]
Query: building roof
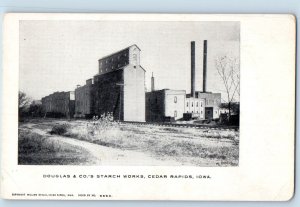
[166,90]
[119,51]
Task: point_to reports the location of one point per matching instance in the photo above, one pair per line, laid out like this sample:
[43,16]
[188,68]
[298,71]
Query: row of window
[211,102]
[187,104]
[113,67]
[81,103]
[196,112]
[110,60]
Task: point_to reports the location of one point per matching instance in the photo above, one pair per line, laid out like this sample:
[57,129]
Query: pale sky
[58,55]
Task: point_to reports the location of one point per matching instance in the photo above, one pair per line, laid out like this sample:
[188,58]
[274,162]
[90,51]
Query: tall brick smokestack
[152,83]
[204,64]
[193,68]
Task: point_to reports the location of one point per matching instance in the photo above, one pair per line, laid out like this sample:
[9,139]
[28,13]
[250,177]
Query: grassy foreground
[35,149]
[188,146]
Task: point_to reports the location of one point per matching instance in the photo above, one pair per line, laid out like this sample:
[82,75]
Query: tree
[35,109]
[228,69]
[24,102]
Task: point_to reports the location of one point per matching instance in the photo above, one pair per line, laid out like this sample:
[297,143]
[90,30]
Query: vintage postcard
[148,107]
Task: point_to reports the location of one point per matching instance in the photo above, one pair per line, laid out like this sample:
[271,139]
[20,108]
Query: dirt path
[102,155]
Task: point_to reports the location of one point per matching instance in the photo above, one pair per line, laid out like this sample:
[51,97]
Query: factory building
[119,87]
[59,104]
[84,100]
[212,104]
[211,101]
[195,107]
[165,105]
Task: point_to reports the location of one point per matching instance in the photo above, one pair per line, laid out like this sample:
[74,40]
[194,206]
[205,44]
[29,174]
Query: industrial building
[119,89]
[59,104]
[166,104]
[84,100]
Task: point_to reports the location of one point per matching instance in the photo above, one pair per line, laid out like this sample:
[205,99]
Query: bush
[60,129]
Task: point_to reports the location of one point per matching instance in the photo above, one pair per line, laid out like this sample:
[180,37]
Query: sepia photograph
[129,93]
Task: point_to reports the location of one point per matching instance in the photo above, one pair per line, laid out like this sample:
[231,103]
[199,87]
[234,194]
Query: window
[201,104]
[201,112]
[175,99]
[187,104]
[192,104]
[192,111]
[197,112]
[187,111]
[105,61]
[197,104]
[175,113]
[155,100]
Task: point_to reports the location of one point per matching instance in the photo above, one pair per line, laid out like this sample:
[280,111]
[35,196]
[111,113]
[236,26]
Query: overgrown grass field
[187,146]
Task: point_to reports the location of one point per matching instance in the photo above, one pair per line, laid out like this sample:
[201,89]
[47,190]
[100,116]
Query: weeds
[60,129]
[35,149]
[187,145]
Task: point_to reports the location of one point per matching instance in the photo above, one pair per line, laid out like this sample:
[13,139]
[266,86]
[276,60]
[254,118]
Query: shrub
[60,129]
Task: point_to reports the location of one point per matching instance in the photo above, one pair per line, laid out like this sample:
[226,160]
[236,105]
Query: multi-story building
[212,104]
[84,100]
[195,106]
[59,104]
[165,105]
[119,87]
[209,100]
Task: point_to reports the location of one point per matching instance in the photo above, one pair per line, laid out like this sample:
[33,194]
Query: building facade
[59,104]
[212,104]
[195,107]
[165,105]
[84,100]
